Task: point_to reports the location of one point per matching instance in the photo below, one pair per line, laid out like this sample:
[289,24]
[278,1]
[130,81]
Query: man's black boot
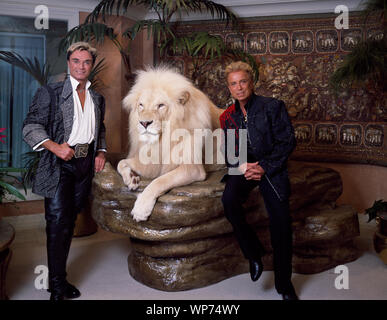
[289,296]
[56,296]
[71,292]
[256,269]
[289,293]
[68,291]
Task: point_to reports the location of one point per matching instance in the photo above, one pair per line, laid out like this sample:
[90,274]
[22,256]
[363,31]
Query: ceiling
[259,8]
[242,8]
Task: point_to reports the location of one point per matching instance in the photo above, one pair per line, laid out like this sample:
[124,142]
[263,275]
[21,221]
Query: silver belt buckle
[81,150]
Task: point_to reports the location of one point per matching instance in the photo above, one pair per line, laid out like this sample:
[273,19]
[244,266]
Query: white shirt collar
[75,83]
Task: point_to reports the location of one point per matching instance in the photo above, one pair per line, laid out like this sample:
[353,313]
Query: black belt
[82,149]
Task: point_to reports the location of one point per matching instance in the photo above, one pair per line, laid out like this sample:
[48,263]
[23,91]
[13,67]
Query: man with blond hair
[270,141]
[65,124]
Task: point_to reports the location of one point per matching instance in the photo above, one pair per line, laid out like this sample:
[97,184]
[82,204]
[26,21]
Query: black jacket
[271,135]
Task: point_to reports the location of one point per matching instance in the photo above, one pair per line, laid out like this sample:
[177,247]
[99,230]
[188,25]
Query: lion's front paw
[142,208]
[131,179]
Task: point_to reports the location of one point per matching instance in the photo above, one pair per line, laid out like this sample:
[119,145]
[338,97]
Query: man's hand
[99,161]
[254,171]
[62,151]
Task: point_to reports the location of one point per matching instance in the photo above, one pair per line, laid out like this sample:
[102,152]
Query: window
[17,87]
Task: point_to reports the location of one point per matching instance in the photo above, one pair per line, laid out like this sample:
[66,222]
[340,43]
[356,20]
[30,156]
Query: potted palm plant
[8,182]
[367,59]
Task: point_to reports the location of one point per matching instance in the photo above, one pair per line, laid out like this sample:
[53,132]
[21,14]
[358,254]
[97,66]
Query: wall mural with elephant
[296,57]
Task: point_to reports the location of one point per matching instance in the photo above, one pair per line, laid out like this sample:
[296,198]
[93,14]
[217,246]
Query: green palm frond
[109,7]
[200,44]
[164,8]
[88,32]
[31,160]
[39,72]
[8,188]
[96,83]
[160,30]
[365,61]
[167,7]
[372,6]
[210,45]
[216,9]
[8,181]
[178,46]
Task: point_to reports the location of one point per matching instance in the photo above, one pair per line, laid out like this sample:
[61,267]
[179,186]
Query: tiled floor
[97,265]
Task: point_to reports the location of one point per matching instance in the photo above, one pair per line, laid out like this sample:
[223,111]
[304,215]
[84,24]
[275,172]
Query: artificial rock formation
[188,243]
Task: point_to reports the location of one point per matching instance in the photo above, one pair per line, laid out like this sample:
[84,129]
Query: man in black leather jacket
[270,141]
[66,124]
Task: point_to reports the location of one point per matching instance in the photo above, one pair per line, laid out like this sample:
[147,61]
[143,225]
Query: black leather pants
[235,194]
[61,212]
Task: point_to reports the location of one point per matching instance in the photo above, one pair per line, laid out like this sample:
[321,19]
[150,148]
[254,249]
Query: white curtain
[17,88]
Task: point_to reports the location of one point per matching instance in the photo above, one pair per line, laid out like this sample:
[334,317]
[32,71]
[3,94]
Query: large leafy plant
[8,182]
[163,28]
[367,60]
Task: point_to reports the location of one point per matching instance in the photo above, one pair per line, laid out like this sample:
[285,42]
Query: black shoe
[289,296]
[69,292]
[256,269]
[56,296]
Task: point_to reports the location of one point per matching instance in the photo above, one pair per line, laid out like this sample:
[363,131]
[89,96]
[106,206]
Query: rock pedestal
[188,243]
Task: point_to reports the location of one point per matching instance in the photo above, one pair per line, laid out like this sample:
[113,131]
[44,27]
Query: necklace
[81,90]
[245,116]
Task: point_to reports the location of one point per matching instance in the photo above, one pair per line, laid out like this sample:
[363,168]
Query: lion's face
[155,108]
[152,109]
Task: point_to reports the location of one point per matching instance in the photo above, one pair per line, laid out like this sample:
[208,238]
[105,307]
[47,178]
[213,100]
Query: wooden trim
[21,208]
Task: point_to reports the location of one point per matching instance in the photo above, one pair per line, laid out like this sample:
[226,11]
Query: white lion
[164,110]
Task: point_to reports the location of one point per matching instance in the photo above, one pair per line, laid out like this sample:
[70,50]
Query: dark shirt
[242,120]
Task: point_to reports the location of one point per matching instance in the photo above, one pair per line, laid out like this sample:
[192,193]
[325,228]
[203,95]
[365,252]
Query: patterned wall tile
[279,42]
[256,43]
[373,135]
[375,33]
[350,38]
[326,134]
[302,41]
[303,132]
[350,135]
[235,41]
[327,40]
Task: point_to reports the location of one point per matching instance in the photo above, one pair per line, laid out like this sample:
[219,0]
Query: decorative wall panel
[296,57]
